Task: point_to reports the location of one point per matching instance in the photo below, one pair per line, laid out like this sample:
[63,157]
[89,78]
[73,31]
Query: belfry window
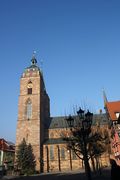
[29,87]
[29,90]
[29,110]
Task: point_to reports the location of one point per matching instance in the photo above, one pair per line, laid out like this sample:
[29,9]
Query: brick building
[45,132]
[7,152]
[113,114]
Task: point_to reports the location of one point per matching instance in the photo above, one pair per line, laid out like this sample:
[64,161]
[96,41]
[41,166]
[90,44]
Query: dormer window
[117,114]
[29,87]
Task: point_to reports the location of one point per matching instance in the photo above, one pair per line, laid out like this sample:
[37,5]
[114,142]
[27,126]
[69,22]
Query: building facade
[113,114]
[7,153]
[43,132]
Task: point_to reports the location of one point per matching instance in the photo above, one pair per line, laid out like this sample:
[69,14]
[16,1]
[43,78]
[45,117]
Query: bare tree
[86,143]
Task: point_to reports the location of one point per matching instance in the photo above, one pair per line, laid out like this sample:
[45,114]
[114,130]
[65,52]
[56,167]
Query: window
[62,153]
[29,86]
[29,110]
[29,90]
[51,153]
[74,155]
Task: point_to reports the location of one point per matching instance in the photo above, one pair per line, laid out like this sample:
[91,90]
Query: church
[43,132]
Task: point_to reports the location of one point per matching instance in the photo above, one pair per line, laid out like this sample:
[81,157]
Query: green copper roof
[33,65]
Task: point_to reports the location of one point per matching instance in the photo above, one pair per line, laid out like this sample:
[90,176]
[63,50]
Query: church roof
[59,122]
[55,141]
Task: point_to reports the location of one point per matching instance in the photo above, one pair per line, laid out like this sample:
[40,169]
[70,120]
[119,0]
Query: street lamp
[86,118]
[80,113]
[70,121]
[85,122]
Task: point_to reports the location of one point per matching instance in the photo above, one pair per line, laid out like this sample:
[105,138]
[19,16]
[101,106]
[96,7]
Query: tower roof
[33,60]
[33,65]
[33,69]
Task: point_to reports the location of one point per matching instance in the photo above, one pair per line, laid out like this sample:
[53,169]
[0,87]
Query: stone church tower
[33,110]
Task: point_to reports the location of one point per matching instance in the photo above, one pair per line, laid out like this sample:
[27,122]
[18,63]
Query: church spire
[104,98]
[33,60]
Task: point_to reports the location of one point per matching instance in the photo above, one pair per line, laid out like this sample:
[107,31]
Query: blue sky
[79,43]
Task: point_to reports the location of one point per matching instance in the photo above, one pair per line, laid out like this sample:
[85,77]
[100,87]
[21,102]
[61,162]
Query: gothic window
[51,153]
[29,110]
[74,155]
[62,153]
[29,87]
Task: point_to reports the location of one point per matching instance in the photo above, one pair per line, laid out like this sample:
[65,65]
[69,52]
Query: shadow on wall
[115,170]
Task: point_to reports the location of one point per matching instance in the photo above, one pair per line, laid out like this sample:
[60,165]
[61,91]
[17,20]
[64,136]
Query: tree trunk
[93,164]
[87,168]
[86,161]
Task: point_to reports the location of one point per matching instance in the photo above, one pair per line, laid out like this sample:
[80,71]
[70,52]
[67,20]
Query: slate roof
[33,68]
[55,141]
[59,122]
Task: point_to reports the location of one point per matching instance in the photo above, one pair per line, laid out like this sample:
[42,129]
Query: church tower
[33,110]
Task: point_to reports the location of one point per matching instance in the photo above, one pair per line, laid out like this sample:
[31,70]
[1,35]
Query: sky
[78,42]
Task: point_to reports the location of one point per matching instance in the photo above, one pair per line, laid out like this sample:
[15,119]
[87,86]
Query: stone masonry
[43,132]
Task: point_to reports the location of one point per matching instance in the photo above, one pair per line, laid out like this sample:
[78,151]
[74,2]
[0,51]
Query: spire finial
[33,60]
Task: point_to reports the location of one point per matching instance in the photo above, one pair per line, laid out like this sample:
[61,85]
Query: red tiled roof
[113,108]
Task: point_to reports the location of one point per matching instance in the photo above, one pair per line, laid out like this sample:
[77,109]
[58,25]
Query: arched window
[29,87]
[29,110]
[51,153]
[62,153]
[74,155]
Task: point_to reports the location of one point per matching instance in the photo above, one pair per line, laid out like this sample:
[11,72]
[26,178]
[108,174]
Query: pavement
[76,175]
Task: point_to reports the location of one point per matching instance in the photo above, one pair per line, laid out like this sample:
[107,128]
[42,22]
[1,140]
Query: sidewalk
[76,175]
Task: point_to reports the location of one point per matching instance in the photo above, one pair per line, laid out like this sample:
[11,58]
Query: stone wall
[31,129]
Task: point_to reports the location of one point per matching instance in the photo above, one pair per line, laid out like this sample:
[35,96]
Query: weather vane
[34,53]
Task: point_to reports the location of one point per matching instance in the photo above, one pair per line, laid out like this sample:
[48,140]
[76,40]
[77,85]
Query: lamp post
[85,122]
[70,122]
